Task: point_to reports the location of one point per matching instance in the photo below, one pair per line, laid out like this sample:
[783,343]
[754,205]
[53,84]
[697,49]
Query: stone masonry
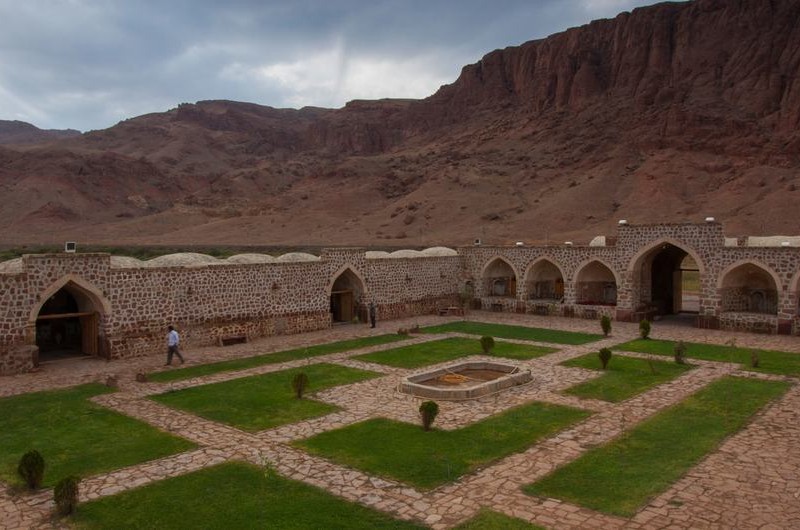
[209,302]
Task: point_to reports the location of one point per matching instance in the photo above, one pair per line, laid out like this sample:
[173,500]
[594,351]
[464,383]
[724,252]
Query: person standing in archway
[173,343]
[373,314]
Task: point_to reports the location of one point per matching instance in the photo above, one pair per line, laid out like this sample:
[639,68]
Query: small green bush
[605,325]
[644,328]
[31,469]
[428,411]
[754,360]
[605,356]
[487,344]
[680,352]
[65,495]
[299,384]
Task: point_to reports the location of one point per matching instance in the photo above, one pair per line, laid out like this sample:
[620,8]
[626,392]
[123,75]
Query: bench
[451,310]
[232,339]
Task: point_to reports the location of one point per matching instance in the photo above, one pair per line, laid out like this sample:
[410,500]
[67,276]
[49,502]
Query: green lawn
[489,520]
[515,332]
[272,358]
[428,459]
[623,378]
[263,401]
[621,476]
[772,362]
[438,351]
[231,495]
[76,436]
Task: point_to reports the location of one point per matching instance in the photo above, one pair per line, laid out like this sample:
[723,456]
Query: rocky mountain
[670,113]
[19,132]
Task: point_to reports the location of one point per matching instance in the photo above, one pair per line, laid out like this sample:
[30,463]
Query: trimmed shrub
[605,325]
[644,328]
[402,331]
[487,344]
[428,412]
[66,495]
[31,469]
[605,356]
[754,360]
[299,384]
[680,352]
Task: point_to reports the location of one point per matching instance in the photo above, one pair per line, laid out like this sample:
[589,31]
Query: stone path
[752,481]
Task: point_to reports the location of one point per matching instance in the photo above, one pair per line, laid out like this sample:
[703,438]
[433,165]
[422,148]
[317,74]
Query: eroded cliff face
[669,113]
[728,56]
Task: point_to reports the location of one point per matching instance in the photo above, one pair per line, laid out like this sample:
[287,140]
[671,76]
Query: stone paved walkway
[752,481]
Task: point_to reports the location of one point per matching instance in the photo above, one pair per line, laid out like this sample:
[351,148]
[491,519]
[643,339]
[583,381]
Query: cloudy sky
[87,64]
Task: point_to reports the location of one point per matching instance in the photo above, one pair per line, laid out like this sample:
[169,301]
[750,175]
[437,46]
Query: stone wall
[210,302]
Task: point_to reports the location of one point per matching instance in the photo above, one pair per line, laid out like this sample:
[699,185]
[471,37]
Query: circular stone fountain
[466,380]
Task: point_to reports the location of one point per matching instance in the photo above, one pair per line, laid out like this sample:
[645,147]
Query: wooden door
[346,304]
[89,334]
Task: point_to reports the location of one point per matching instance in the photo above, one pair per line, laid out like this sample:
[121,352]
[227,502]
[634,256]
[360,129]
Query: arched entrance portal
[346,297]
[67,326]
[668,281]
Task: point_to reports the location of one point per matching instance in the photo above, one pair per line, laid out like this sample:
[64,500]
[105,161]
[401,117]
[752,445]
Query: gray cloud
[87,64]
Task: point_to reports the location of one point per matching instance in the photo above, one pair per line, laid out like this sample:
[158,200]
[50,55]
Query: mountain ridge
[669,113]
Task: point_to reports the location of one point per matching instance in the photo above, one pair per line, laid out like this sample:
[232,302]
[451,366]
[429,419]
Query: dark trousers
[173,350]
[372,321]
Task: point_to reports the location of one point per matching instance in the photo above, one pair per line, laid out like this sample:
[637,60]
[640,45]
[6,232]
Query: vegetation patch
[263,401]
[75,436]
[623,378]
[489,520]
[439,351]
[554,336]
[771,362]
[272,358]
[426,460]
[622,475]
[231,495]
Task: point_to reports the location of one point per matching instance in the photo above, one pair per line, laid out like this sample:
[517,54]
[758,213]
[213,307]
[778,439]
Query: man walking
[173,342]
[373,314]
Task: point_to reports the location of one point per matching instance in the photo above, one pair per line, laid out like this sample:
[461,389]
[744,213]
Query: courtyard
[220,443]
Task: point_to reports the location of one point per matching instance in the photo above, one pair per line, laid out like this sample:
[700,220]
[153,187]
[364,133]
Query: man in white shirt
[173,341]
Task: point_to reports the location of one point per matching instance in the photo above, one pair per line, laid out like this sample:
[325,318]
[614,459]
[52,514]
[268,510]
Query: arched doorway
[595,284]
[749,288]
[667,280]
[67,325]
[545,282]
[346,297]
[500,279]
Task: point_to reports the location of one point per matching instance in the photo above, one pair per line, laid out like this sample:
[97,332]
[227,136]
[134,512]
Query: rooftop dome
[125,262]
[292,257]
[12,266]
[251,258]
[183,259]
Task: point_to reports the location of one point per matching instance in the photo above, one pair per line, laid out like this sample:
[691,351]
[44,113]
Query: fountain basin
[466,380]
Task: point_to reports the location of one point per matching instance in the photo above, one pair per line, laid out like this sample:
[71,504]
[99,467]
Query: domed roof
[182,259]
[292,257]
[125,262]
[251,258]
[12,266]
[439,251]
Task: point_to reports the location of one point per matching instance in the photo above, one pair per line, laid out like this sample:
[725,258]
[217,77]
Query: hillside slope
[670,113]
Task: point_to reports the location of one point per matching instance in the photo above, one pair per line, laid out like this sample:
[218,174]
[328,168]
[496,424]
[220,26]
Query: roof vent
[710,219]
[622,222]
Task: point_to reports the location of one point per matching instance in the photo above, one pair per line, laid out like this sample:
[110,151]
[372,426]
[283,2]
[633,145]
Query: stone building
[67,304]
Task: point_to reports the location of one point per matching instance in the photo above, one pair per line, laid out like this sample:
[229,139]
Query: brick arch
[501,258]
[548,258]
[77,284]
[342,270]
[635,262]
[733,266]
[582,265]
